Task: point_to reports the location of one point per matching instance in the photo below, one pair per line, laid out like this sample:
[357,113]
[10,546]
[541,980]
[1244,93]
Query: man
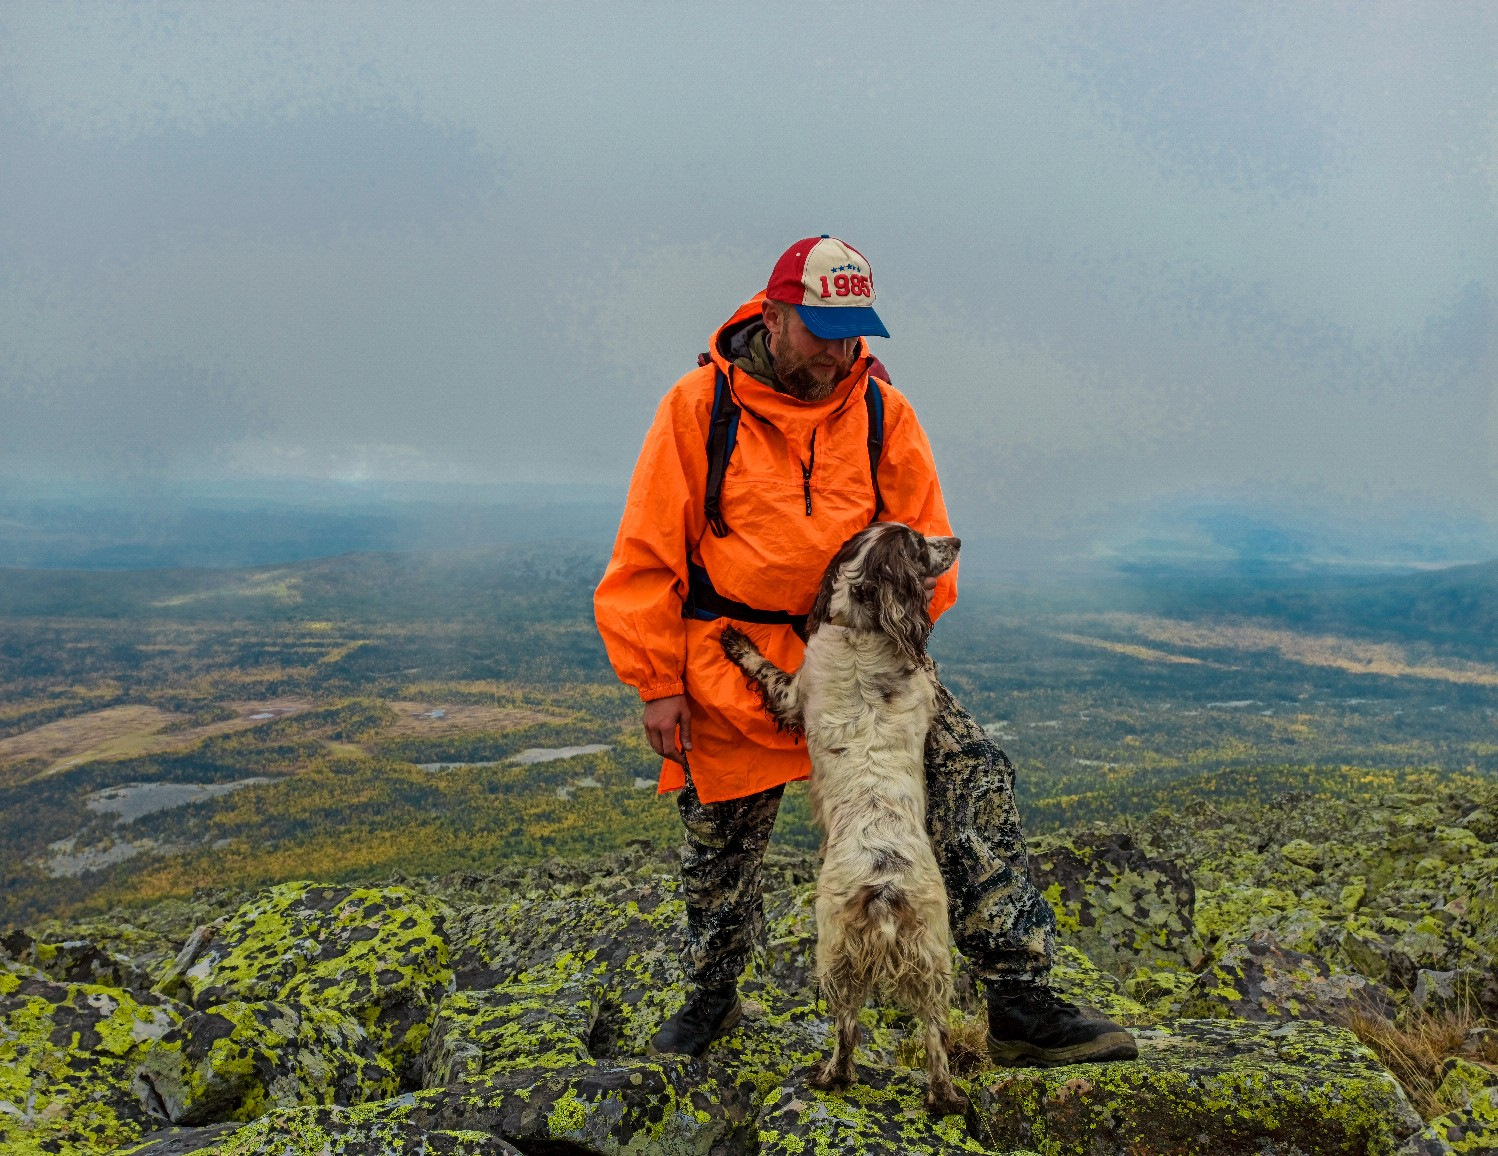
[704,542]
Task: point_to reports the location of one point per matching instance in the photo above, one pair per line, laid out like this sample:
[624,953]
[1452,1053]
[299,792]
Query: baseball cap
[831,285]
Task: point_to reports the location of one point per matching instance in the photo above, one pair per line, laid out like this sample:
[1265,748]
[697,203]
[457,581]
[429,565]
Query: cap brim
[833,321]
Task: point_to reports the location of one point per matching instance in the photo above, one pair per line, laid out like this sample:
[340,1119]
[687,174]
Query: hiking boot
[1031,1025]
[708,1014]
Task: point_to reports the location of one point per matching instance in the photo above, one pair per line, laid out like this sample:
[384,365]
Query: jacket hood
[739,345]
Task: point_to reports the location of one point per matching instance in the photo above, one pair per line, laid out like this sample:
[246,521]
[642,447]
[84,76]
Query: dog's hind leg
[838,1071]
[845,995]
[942,1096]
[927,991]
[777,689]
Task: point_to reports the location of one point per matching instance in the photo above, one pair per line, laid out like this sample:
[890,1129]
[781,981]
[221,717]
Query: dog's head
[877,583]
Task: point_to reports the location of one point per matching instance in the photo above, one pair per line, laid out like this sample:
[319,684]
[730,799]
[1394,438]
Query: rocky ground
[510,1013]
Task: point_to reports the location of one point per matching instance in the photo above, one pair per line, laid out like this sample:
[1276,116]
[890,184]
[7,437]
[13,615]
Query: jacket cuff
[662,690]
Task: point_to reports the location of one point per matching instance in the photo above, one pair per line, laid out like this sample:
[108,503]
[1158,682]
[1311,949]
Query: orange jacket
[772,558]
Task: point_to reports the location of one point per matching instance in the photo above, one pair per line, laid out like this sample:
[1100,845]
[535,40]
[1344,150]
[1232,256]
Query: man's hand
[930,584]
[662,719]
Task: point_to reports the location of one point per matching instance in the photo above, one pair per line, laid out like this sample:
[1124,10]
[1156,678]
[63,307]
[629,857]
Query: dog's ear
[821,608]
[897,565]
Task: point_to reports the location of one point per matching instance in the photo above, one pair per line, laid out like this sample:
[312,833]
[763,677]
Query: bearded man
[785,442]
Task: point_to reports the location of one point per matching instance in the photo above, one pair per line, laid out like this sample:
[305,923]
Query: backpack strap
[722,433]
[873,398]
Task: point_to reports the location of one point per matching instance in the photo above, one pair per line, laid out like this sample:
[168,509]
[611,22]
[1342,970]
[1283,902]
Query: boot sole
[1019,1054]
[730,1021]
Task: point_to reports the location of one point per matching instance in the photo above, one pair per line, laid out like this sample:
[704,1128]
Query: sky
[1132,255]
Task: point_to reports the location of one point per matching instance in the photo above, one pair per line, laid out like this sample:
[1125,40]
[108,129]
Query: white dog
[865,696]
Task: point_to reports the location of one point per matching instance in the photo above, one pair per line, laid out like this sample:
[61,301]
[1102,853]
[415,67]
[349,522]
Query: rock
[1462,1080]
[181,1141]
[1119,906]
[1470,1131]
[376,954]
[380,1130]
[74,961]
[1445,992]
[1259,980]
[535,1025]
[1482,822]
[671,1106]
[1077,978]
[883,1115]
[1199,1086]
[67,1054]
[238,1060]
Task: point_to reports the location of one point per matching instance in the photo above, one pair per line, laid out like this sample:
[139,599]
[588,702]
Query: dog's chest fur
[866,709]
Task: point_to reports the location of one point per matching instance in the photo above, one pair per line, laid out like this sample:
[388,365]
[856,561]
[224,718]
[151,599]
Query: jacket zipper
[806,468]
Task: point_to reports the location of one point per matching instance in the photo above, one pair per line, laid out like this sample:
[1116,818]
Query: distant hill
[1454,608]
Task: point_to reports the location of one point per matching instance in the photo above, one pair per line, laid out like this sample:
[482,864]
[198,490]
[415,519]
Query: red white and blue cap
[831,285]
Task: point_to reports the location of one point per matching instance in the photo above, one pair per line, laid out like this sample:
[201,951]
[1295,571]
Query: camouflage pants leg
[1000,922]
[721,881]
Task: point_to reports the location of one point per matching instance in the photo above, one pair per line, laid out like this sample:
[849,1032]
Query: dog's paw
[827,1077]
[946,1101]
[736,645]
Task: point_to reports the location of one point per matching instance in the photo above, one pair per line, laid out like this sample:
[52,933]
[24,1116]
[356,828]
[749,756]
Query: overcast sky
[1128,252]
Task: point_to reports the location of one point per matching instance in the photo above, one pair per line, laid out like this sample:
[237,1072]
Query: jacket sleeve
[911,489]
[638,603]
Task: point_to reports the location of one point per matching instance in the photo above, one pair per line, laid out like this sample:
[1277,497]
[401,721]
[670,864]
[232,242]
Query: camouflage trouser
[1000,922]
[720,875]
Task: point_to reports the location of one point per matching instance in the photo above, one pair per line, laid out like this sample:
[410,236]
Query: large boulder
[238,1060]
[1257,979]
[1231,1089]
[67,1055]
[328,1132]
[378,955]
[1117,904]
[882,1115]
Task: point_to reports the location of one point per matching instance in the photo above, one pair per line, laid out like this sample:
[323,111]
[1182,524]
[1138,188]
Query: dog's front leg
[777,689]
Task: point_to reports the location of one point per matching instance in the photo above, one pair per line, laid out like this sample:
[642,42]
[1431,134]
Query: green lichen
[1205,1086]
[67,1055]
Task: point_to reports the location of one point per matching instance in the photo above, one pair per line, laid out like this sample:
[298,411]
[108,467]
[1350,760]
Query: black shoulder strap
[873,398]
[722,433]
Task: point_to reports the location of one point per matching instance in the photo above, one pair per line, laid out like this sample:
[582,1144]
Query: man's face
[808,366]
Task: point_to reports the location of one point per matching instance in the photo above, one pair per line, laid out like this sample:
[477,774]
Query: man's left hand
[930,584]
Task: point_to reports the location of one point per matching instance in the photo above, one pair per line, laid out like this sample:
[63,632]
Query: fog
[1136,259]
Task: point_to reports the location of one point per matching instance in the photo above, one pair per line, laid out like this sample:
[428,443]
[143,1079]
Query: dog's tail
[884,909]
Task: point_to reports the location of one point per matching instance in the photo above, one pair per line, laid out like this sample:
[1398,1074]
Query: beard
[809,380]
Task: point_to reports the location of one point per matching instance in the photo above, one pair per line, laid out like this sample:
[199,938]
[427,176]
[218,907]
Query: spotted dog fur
[865,697]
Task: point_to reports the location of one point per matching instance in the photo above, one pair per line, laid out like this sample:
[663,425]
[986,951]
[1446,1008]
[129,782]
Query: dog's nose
[957,543]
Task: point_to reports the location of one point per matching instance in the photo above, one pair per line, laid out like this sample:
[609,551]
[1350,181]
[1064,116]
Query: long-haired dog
[865,697]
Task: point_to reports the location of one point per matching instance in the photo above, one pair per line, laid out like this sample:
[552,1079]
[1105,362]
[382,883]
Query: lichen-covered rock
[376,954]
[882,1115]
[1462,1080]
[372,1130]
[1205,1086]
[1115,903]
[182,1141]
[1469,1131]
[238,1060]
[1077,978]
[1442,992]
[670,1106]
[535,1025]
[67,1054]
[73,961]
[1259,980]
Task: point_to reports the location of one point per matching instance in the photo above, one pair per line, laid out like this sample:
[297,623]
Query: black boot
[707,1014]
[1030,1025]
